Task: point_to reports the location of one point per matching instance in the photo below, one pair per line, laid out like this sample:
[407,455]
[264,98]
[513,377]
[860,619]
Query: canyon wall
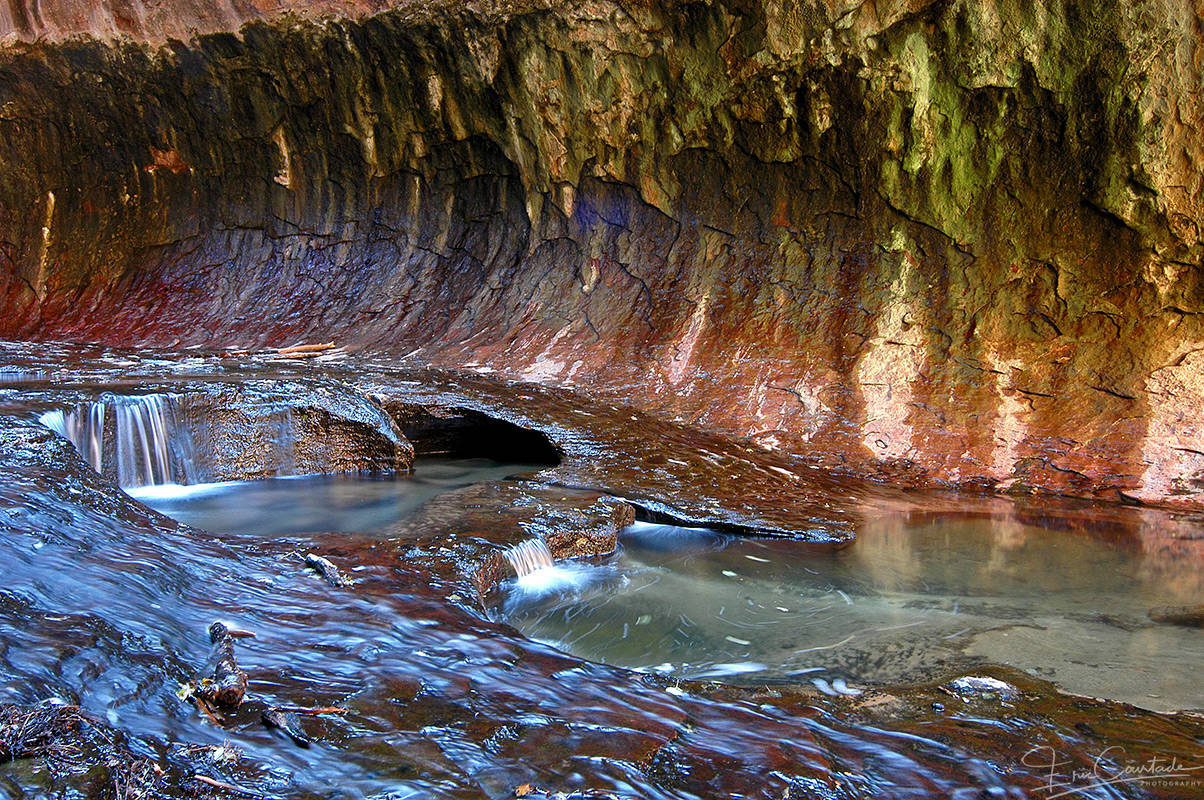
[936,242]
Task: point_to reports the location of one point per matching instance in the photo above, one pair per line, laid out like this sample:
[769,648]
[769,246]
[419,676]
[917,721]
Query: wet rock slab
[443,702]
[220,431]
[473,527]
[329,428]
[665,469]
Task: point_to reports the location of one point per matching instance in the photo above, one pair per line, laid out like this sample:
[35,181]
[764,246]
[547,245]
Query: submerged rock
[981,687]
[1187,616]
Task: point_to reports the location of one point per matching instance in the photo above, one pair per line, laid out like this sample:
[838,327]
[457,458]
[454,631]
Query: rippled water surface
[904,601]
[106,604]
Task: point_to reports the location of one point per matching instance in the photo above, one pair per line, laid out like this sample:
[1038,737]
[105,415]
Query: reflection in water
[911,597]
[366,503]
[106,605]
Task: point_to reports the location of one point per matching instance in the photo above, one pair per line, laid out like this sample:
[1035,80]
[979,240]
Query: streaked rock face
[936,242]
[29,20]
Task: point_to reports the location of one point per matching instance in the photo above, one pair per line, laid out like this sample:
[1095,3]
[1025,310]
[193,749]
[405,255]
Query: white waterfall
[84,428]
[539,575]
[10,375]
[145,427]
[142,441]
[529,556]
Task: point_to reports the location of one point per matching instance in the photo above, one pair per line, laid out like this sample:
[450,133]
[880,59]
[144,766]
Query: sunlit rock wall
[156,21]
[952,242]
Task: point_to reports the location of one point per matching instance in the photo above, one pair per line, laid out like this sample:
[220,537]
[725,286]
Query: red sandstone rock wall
[937,242]
[158,21]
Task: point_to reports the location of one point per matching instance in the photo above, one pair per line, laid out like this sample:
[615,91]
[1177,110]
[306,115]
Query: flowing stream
[831,662]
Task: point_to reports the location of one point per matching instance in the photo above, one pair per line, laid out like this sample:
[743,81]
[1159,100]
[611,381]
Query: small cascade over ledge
[529,556]
[148,446]
[142,441]
[84,428]
[244,431]
[538,575]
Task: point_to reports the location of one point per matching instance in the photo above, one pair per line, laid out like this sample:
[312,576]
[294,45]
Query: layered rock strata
[940,242]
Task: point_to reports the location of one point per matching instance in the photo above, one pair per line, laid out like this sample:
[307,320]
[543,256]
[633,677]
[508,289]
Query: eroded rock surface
[668,470]
[228,431]
[937,242]
[438,699]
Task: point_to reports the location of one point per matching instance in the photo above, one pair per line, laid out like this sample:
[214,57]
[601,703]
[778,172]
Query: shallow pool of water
[313,503]
[903,602]
[107,605]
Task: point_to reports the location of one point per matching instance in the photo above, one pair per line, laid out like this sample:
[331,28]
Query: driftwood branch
[327,570]
[311,711]
[229,787]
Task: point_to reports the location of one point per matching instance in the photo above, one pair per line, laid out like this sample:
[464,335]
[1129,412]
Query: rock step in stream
[441,699]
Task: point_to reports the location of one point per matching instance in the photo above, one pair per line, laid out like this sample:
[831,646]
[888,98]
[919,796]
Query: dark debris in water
[426,696]
[537,793]
[288,723]
[45,730]
[223,684]
[54,749]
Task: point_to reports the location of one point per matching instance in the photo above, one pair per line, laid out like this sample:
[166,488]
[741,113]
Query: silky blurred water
[106,604]
[901,603]
[308,504]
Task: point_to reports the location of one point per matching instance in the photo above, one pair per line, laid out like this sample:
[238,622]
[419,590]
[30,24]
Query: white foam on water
[553,579]
[726,670]
[176,491]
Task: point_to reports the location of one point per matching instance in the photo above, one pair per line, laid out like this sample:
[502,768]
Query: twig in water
[845,640]
[203,704]
[304,710]
[222,785]
[305,348]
